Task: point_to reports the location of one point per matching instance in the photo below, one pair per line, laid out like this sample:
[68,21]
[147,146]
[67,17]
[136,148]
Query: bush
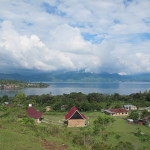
[124,146]
[26,120]
[100,146]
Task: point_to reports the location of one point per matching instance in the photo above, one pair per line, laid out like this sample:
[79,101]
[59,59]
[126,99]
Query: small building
[147,108]
[63,107]
[130,107]
[116,112]
[130,120]
[48,108]
[75,119]
[33,113]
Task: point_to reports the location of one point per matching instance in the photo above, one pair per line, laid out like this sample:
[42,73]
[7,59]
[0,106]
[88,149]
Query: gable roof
[72,112]
[33,113]
[118,110]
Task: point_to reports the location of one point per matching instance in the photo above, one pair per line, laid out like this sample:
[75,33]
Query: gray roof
[129,106]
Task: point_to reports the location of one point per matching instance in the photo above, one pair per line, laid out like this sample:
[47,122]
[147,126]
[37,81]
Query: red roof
[118,110]
[72,112]
[33,113]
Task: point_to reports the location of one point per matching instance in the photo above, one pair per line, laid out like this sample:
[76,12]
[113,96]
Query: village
[14,84]
[120,123]
[75,119]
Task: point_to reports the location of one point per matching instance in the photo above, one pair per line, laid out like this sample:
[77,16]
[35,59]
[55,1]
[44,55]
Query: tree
[134,115]
[145,113]
[104,120]
[57,106]
[101,123]
[4,98]
[20,99]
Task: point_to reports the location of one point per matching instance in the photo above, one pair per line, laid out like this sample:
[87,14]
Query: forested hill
[76,77]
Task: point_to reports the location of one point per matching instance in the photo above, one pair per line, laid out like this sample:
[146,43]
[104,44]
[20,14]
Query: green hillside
[54,135]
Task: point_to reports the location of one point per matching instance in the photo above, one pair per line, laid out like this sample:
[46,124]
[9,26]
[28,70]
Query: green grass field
[55,136]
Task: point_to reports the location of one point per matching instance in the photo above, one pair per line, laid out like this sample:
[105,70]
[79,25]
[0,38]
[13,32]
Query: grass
[120,127]
[11,140]
[127,131]
[25,137]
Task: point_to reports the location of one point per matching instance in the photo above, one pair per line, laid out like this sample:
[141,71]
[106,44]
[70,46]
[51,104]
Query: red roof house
[75,118]
[116,112]
[33,113]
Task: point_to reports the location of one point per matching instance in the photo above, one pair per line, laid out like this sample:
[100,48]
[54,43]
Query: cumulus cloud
[98,36]
[65,52]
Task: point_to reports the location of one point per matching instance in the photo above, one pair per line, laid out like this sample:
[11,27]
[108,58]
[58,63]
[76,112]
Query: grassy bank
[54,135]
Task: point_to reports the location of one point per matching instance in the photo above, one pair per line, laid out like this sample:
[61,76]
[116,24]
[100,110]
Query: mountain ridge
[76,76]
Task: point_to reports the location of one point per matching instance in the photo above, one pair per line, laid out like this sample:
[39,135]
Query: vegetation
[116,134]
[92,101]
[103,132]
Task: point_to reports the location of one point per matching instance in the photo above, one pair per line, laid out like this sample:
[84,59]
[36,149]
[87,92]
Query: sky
[71,35]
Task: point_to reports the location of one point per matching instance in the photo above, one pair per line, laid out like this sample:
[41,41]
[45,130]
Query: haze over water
[60,88]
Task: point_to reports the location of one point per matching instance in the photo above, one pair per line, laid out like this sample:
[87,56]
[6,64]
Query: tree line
[84,102]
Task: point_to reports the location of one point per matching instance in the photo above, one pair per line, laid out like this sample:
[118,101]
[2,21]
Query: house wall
[131,108]
[76,123]
[120,114]
[37,121]
[48,108]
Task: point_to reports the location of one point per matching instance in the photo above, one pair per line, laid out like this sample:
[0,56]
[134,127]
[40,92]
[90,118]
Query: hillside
[58,137]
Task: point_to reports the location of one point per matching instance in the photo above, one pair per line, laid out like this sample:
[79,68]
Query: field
[54,135]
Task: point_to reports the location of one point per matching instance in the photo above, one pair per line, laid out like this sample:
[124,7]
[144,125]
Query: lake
[56,88]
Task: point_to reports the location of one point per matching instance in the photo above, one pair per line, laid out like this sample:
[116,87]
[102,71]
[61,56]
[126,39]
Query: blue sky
[95,36]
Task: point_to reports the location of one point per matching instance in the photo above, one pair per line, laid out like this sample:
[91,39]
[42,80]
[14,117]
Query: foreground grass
[121,127]
[55,136]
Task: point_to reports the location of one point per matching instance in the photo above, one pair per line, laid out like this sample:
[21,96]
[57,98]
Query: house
[75,119]
[116,112]
[147,108]
[48,108]
[130,107]
[63,107]
[33,113]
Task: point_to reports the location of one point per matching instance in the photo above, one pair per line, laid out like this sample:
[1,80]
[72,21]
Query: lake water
[98,87]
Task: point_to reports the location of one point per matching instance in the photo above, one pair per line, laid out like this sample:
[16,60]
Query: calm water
[101,87]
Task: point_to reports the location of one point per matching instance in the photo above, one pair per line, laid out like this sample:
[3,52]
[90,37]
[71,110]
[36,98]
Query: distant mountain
[76,76]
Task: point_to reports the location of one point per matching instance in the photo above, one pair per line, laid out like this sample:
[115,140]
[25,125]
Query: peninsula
[15,84]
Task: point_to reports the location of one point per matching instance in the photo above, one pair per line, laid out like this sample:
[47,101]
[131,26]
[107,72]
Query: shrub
[26,120]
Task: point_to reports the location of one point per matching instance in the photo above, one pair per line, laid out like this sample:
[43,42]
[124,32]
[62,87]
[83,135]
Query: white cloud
[31,53]
[33,38]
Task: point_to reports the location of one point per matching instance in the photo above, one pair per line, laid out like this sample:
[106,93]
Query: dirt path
[53,145]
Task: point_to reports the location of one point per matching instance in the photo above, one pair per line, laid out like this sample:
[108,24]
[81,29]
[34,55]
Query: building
[116,112]
[48,108]
[130,107]
[75,119]
[147,108]
[63,107]
[33,113]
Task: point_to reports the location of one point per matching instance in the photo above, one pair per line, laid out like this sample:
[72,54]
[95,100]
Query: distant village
[13,84]
[74,118]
